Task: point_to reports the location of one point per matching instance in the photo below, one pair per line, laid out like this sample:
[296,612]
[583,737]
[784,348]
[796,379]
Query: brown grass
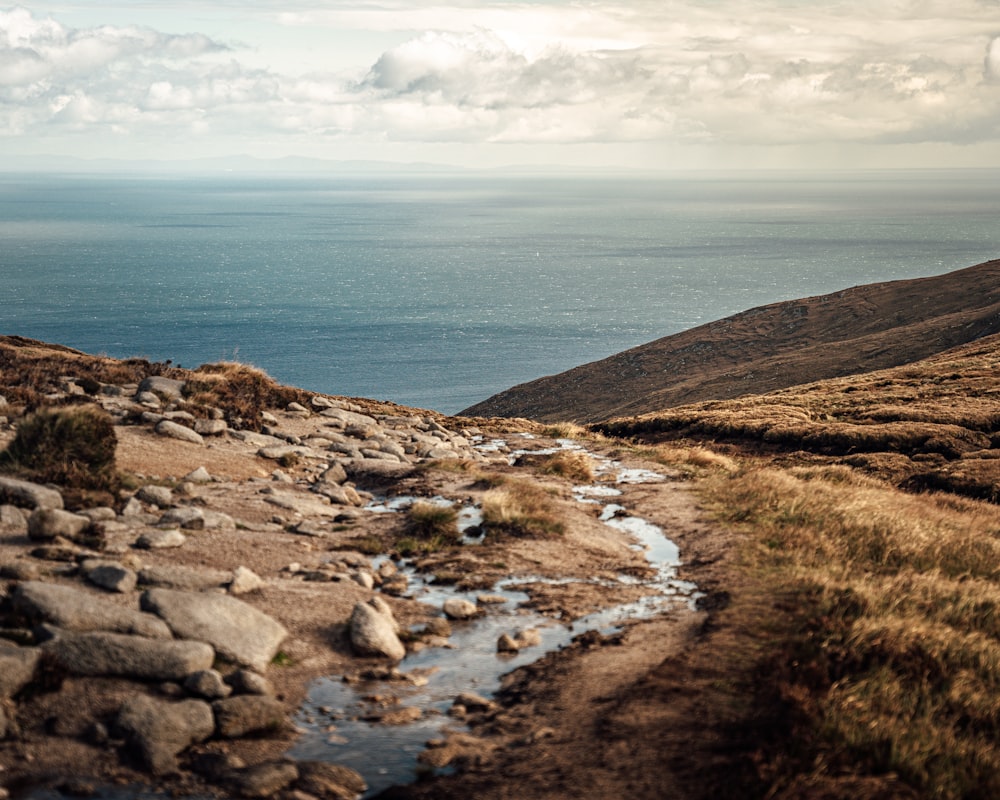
[574,465]
[521,508]
[241,391]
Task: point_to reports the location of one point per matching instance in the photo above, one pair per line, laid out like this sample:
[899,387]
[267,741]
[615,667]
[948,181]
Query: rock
[137,657]
[341,495]
[177,431]
[157,730]
[365,579]
[507,644]
[246,714]
[279,451]
[76,610]
[210,427]
[459,608]
[244,681]
[168,387]
[161,540]
[199,475]
[46,524]
[334,781]
[133,508]
[148,399]
[401,716]
[208,683]
[474,702]
[156,496]
[438,626]
[373,633]
[21,570]
[186,517]
[335,473]
[185,578]
[306,506]
[17,667]
[28,495]
[244,581]
[99,514]
[490,599]
[264,780]
[238,632]
[343,418]
[5,728]
[113,577]
[529,637]
[12,518]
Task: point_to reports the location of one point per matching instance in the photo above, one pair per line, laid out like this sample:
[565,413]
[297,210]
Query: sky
[636,84]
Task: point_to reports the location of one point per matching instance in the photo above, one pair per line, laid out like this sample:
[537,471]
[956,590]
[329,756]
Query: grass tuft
[519,508]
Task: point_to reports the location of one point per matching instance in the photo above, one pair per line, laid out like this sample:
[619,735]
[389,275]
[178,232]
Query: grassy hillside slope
[771,347]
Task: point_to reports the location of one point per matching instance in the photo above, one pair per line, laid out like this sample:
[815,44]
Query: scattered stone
[76,610]
[373,633]
[177,431]
[305,506]
[17,667]
[507,644]
[244,681]
[161,540]
[438,626]
[208,683]
[59,552]
[280,476]
[264,780]
[101,653]
[474,702]
[12,518]
[21,570]
[210,427]
[186,517]
[400,716]
[246,714]
[239,632]
[158,731]
[156,496]
[99,514]
[333,781]
[279,451]
[28,495]
[335,473]
[199,475]
[46,524]
[340,495]
[364,579]
[459,608]
[245,581]
[491,599]
[113,577]
[529,637]
[132,508]
[168,387]
[184,578]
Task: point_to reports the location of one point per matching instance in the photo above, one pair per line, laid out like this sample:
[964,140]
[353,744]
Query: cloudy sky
[647,83]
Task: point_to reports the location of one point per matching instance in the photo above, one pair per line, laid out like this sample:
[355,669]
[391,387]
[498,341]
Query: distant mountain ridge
[770,347]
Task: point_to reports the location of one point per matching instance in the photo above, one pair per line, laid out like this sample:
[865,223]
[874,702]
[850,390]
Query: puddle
[336,718]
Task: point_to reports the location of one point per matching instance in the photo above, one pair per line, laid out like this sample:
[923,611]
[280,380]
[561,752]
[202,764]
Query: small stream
[336,717]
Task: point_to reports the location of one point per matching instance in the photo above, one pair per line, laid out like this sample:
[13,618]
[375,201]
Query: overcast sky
[651,83]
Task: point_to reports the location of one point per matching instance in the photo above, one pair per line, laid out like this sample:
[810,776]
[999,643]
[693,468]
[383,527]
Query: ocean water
[440,290]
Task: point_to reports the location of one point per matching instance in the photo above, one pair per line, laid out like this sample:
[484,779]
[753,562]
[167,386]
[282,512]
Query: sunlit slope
[771,347]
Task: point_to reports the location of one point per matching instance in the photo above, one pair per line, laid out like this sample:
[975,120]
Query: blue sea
[438,290]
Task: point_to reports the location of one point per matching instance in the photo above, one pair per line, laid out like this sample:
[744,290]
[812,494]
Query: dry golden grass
[520,508]
[883,650]
[241,391]
[574,465]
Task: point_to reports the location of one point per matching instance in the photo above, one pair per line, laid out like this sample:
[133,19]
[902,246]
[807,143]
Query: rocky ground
[168,636]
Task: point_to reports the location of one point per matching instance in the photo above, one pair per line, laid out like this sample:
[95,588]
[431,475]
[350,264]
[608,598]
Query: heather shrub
[72,447]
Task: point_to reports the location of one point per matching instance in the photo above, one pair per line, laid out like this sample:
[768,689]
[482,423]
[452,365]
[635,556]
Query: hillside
[857,330]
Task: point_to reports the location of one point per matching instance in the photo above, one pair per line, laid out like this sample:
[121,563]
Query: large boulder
[76,610]
[167,387]
[127,656]
[175,430]
[238,631]
[373,633]
[46,524]
[157,730]
[248,713]
[28,495]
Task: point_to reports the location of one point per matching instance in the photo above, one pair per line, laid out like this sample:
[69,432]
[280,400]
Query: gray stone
[248,713]
[210,427]
[199,475]
[46,524]
[184,578]
[156,495]
[137,657]
[218,519]
[256,439]
[365,579]
[343,418]
[28,495]
[99,514]
[507,644]
[21,570]
[244,681]
[187,517]
[264,780]
[335,473]
[373,633]
[245,581]
[12,518]
[76,610]
[238,631]
[158,731]
[320,779]
[459,608]
[177,431]
[306,506]
[17,667]
[285,450]
[113,577]
[168,387]
[161,540]
[208,683]
[133,508]
[474,702]
[341,495]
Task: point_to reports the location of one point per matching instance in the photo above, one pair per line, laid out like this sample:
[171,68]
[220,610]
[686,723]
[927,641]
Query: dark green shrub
[72,447]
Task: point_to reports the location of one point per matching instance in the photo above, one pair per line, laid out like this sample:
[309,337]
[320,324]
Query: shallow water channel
[335,717]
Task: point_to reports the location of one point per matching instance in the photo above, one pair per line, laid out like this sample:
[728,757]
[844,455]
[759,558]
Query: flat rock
[245,581]
[246,714]
[12,518]
[113,577]
[244,681]
[186,517]
[28,495]
[264,780]
[200,475]
[256,439]
[17,667]
[46,524]
[177,431]
[306,506]
[161,540]
[168,387]
[158,730]
[338,494]
[373,633]
[76,610]
[102,653]
[459,608]
[238,631]
[321,779]
[184,578]
[210,427]
[160,496]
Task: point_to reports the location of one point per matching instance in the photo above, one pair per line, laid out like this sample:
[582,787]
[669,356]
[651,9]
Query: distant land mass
[861,329]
